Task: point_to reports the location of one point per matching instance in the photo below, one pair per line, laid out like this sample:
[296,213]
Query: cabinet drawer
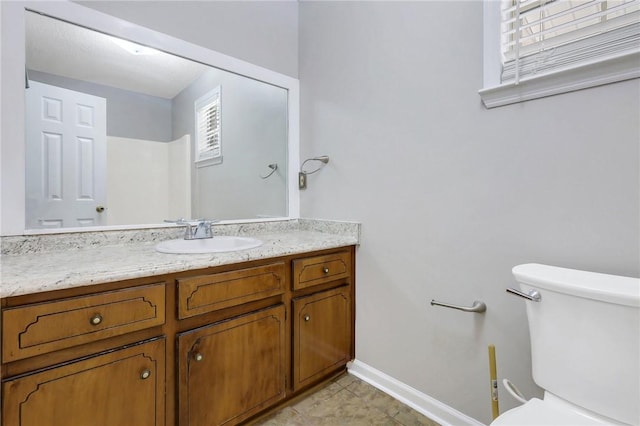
[46,327]
[320,269]
[207,293]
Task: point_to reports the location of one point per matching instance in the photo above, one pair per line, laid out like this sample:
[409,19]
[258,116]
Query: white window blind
[208,141]
[542,36]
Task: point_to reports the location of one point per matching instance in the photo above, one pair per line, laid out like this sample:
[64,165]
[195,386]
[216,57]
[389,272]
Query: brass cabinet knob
[96,319]
[307,317]
[146,373]
[325,270]
[198,357]
[100,209]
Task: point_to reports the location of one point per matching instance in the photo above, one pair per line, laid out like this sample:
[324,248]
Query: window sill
[208,162]
[624,67]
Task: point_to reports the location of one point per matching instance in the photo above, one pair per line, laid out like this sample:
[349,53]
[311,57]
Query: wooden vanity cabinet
[96,358]
[118,388]
[208,347]
[322,334]
[231,370]
[322,312]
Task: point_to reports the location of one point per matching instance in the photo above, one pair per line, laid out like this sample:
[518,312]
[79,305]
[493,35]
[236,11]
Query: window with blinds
[542,36]
[208,143]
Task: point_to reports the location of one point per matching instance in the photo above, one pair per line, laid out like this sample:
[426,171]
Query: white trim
[424,404]
[1,131]
[12,178]
[12,189]
[491,43]
[293,152]
[621,68]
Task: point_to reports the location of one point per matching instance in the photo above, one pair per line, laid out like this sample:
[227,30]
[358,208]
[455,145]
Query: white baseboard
[415,399]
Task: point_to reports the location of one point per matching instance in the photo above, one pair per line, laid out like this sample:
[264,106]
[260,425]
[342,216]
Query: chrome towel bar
[477,307]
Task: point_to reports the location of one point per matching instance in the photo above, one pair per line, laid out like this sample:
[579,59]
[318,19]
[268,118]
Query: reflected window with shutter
[208,143]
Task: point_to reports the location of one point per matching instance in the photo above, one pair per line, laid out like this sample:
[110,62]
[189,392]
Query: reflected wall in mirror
[111,137]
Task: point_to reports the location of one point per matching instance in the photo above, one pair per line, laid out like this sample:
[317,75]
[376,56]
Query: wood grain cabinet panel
[227,345]
[119,388]
[322,334]
[207,293]
[316,270]
[231,370]
[46,327]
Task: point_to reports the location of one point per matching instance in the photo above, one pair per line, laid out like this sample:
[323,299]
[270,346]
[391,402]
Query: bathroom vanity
[179,343]
[100,328]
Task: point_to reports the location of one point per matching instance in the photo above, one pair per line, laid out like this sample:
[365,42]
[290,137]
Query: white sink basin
[219,244]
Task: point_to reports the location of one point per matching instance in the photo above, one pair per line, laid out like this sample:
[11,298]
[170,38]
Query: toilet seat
[550,411]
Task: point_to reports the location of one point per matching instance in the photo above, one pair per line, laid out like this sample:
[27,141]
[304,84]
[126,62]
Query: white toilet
[585,348]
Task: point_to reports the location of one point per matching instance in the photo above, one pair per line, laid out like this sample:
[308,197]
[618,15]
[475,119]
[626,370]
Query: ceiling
[71,51]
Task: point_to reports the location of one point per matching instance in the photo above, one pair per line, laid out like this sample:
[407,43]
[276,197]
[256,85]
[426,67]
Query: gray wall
[450,195]
[264,33]
[253,135]
[129,114]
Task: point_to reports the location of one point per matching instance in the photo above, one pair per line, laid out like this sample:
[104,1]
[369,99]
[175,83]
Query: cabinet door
[233,369]
[321,334]
[119,388]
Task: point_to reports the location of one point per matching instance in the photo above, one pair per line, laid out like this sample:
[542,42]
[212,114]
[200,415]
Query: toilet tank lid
[590,285]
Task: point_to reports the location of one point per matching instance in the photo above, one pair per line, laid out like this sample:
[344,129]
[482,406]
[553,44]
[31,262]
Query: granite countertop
[38,271]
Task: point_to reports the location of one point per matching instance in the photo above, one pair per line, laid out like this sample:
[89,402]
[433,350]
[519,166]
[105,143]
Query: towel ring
[273,167]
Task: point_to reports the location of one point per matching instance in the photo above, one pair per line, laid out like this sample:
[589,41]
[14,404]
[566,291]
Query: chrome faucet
[202,230]
[196,229]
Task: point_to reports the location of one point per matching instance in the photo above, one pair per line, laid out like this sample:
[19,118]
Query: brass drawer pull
[325,270]
[96,319]
[307,317]
[198,357]
[146,373]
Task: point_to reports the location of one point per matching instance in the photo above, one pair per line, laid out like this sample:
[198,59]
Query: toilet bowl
[551,411]
[585,348]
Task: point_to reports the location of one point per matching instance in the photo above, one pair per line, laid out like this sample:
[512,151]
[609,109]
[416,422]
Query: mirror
[112,136]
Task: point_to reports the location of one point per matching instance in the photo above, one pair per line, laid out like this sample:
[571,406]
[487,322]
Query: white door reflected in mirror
[66,156]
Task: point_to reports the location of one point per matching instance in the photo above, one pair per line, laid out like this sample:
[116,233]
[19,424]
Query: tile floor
[347,401]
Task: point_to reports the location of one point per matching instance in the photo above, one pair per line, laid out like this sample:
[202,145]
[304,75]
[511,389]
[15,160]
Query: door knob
[100,209]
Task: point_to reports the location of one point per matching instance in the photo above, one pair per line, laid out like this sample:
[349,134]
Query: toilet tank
[585,338]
